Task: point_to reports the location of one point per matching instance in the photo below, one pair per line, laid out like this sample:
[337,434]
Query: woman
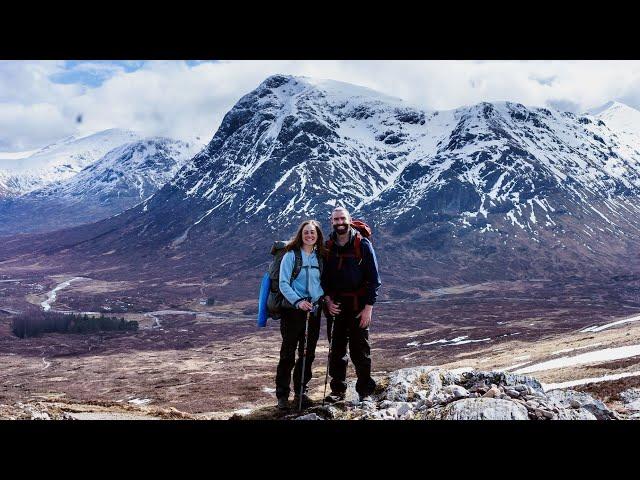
[301,297]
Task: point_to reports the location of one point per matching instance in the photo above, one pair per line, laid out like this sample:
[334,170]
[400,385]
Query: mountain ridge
[524,191]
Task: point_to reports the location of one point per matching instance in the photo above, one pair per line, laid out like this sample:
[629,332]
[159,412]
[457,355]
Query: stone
[367,406]
[492,392]
[574,414]
[630,395]
[402,408]
[631,399]
[421,395]
[484,409]
[440,398]
[543,413]
[456,391]
[409,415]
[404,383]
[562,399]
[309,416]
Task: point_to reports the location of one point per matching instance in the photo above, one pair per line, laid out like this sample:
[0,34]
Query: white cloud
[171,98]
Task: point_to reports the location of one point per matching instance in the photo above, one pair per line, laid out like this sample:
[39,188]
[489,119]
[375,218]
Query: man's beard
[341,229]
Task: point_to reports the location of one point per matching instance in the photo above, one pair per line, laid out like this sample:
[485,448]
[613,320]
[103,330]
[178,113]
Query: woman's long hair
[296,241]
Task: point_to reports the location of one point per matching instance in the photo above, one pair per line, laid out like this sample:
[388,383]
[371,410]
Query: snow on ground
[16,155]
[140,401]
[243,411]
[456,341]
[589,357]
[511,367]
[583,381]
[567,350]
[609,325]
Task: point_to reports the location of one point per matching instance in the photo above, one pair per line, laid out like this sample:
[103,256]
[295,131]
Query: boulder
[456,391]
[574,414]
[493,392]
[404,383]
[309,416]
[631,400]
[566,399]
[484,409]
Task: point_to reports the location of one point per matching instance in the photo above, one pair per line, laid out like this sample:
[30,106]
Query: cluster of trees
[32,324]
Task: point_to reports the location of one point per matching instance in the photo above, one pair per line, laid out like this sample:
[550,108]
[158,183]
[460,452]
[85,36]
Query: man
[350,281]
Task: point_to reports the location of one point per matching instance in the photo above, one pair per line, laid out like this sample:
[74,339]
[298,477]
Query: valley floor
[193,361]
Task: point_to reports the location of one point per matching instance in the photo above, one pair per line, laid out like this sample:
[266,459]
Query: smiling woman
[299,283]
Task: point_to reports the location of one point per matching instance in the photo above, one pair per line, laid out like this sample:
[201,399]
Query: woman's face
[309,235]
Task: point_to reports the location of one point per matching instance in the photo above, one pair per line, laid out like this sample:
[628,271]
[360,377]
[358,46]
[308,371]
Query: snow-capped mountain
[295,146]
[519,189]
[623,120]
[134,170]
[58,161]
[124,176]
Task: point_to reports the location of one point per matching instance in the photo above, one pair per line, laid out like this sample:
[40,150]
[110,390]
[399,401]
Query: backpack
[276,301]
[362,230]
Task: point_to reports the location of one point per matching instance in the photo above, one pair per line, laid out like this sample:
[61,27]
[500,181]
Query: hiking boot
[366,398]
[334,397]
[306,401]
[283,403]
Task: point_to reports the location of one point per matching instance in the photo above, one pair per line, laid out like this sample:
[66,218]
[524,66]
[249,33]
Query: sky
[44,101]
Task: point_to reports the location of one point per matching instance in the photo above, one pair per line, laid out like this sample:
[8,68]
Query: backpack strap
[329,246]
[356,246]
[320,262]
[297,267]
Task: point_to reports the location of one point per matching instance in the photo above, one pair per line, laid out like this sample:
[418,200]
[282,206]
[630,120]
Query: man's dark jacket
[351,276]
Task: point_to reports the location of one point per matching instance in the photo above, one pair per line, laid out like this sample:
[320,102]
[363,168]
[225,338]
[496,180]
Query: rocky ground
[429,393]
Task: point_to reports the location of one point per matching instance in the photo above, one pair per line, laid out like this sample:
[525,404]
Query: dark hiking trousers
[292,324]
[346,330]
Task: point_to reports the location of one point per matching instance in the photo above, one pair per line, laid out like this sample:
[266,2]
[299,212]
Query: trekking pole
[326,375]
[304,359]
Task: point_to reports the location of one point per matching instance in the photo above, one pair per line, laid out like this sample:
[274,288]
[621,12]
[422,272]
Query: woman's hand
[305,305]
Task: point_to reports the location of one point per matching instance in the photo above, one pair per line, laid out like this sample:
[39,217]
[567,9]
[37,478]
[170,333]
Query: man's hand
[365,316]
[334,308]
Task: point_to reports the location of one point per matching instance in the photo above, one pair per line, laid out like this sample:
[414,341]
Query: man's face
[340,221]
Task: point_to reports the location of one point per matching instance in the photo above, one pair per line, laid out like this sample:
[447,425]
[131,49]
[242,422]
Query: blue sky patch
[93,73]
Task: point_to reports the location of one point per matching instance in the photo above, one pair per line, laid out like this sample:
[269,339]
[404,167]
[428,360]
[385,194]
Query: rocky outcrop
[430,393]
[485,409]
[631,402]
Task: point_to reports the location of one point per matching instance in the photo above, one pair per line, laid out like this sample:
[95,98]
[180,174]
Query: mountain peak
[611,106]
[289,85]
